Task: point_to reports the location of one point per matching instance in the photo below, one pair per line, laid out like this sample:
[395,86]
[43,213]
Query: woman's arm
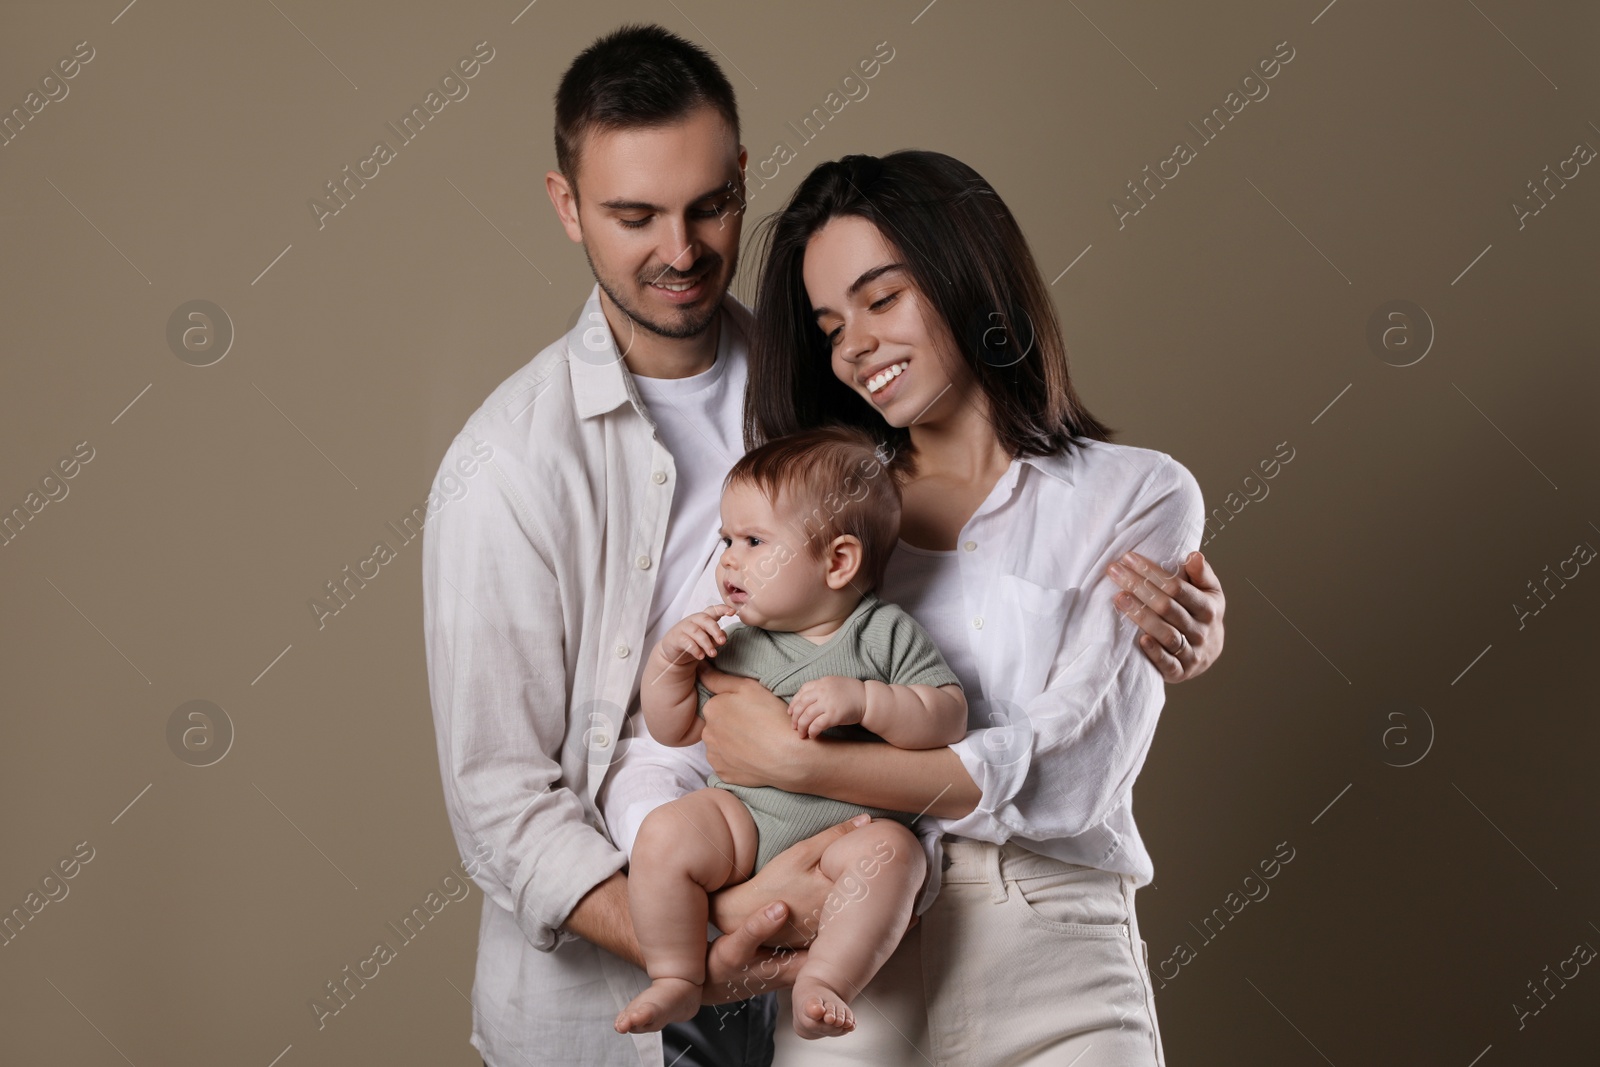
[929,781]
[756,745]
[1066,754]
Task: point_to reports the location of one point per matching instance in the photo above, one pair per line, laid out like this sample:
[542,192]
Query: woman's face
[886,342]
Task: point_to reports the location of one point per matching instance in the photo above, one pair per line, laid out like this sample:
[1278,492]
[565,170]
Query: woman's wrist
[809,772]
[875,774]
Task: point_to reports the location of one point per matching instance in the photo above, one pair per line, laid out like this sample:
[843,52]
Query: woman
[898,294]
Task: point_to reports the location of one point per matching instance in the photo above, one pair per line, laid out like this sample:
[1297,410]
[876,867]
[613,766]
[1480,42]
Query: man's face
[659,209]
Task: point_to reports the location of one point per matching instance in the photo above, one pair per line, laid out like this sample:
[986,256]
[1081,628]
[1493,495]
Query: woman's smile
[881,385]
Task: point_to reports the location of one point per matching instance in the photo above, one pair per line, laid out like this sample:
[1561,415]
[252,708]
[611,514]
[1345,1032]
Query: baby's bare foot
[820,1011]
[668,1000]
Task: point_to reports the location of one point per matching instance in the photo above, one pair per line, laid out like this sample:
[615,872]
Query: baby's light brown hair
[838,479]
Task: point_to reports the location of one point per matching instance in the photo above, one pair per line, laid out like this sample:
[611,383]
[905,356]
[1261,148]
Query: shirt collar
[1059,466]
[600,378]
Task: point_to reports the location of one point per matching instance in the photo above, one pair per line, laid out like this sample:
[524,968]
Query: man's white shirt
[538,584]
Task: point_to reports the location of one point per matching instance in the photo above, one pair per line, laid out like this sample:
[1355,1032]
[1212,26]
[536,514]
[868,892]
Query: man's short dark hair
[636,76]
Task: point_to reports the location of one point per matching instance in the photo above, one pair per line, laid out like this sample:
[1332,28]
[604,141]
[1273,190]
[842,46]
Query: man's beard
[693,325]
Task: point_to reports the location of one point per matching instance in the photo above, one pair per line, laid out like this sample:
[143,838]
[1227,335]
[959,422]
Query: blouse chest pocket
[1029,626]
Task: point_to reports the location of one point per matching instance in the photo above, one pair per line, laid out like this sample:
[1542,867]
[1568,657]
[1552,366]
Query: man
[583,537]
[579,540]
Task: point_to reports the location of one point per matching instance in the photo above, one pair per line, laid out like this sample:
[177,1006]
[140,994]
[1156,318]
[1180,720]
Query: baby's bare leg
[685,849]
[876,872]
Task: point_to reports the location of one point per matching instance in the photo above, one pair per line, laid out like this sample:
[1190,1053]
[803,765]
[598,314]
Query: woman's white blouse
[927,584]
[1062,703]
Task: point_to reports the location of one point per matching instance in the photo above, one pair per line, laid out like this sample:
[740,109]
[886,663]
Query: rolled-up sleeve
[496,651]
[1067,757]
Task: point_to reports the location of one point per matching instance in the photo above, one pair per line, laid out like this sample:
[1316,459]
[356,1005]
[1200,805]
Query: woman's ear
[844,561]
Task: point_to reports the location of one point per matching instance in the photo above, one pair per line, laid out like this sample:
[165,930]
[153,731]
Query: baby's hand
[825,702]
[695,637]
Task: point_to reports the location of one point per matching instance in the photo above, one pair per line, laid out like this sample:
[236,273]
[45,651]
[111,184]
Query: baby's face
[765,570]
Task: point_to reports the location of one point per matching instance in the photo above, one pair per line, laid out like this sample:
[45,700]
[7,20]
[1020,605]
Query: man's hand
[739,967]
[794,876]
[829,701]
[1180,614]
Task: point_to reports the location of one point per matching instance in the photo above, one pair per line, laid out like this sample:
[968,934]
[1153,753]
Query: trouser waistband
[983,861]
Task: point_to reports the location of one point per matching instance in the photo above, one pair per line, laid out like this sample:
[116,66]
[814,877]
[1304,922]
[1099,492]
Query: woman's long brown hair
[966,255]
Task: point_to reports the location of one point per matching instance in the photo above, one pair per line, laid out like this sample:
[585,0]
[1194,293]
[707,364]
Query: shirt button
[622,651]
[970,546]
[977,622]
[603,741]
[658,477]
[643,562]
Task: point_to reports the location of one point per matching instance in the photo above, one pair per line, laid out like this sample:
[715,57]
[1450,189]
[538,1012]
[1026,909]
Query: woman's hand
[748,736]
[794,876]
[1180,614]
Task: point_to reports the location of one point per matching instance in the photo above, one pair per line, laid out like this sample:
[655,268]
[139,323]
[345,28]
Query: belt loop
[997,882]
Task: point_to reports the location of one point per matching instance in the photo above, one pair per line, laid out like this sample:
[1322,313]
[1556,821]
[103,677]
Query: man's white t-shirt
[700,420]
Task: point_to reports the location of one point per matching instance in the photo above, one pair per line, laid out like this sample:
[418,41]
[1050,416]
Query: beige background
[1376,580]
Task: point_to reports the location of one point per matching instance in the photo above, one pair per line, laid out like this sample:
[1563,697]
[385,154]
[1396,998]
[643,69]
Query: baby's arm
[916,716]
[906,716]
[667,695]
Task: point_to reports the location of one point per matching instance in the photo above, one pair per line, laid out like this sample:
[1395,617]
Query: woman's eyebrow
[867,276]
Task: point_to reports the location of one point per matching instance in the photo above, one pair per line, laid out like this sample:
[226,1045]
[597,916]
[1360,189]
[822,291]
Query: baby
[849,665]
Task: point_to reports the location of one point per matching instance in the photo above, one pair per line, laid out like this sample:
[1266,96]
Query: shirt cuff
[999,773]
[567,865]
